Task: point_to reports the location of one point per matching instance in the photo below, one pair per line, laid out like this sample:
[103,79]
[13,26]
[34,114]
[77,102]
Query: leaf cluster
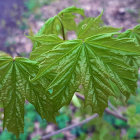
[101,62]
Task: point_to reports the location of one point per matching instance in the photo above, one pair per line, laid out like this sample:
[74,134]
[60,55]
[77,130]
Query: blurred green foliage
[34,6]
[62,120]
[31,5]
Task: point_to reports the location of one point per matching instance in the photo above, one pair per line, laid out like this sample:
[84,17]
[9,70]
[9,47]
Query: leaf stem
[63,31]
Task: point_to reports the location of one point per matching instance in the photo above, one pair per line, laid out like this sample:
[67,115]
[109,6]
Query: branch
[70,127]
[84,121]
[116,114]
[113,108]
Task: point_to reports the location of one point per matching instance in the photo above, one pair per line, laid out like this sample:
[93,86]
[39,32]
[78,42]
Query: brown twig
[108,111]
[70,127]
[116,114]
[84,121]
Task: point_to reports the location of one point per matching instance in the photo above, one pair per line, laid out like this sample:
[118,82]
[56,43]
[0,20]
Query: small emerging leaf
[64,18]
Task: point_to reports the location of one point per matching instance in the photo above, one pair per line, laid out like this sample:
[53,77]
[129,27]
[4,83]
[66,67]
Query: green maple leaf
[133,34]
[45,43]
[15,88]
[98,64]
[93,26]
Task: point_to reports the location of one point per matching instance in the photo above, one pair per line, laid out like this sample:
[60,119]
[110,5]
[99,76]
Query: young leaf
[64,18]
[72,10]
[15,87]
[93,26]
[51,26]
[133,34]
[68,19]
[90,64]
